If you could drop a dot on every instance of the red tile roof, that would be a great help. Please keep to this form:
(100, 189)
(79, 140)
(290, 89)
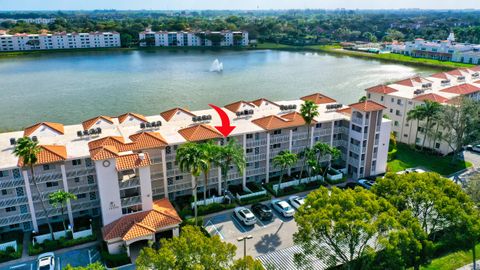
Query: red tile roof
(462, 89)
(55, 126)
(49, 154)
(200, 132)
(145, 223)
(132, 161)
(347, 110)
(116, 141)
(381, 89)
(406, 82)
(168, 115)
(124, 117)
(455, 72)
(147, 140)
(87, 124)
(104, 152)
(274, 122)
(441, 75)
(235, 107)
(318, 98)
(367, 106)
(432, 97)
(259, 101)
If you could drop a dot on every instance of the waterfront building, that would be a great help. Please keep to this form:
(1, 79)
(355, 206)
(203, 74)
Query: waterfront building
(402, 96)
(123, 168)
(29, 20)
(193, 38)
(444, 50)
(58, 41)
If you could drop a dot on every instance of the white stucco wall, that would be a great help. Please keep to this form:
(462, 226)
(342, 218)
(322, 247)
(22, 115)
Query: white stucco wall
(107, 179)
(145, 188)
(384, 141)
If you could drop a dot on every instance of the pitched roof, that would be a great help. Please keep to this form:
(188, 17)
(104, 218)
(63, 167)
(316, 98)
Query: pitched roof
(116, 141)
(259, 101)
(200, 133)
(55, 126)
(104, 152)
(455, 72)
(87, 124)
(132, 161)
(234, 107)
(441, 75)
(347, 110)
(147, 140)
(381, 89)
(144, 223)
(432, 97)
(407, 82)
(367, 106)
(168, 115)
(49, 154)
(124, 116)
(462, 89)
(273, 122)
(318, 98)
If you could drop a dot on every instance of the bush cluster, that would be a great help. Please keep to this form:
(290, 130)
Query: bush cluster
(213, 208)
(51, 245)
(114, 260)
(10, 254)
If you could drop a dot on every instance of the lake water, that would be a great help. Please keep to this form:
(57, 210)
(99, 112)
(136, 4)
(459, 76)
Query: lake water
(71, 87)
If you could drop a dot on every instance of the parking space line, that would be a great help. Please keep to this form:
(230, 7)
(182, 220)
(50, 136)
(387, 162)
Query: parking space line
(261, 223)
(59, 263)
(215, 228)
(18, 266)
(238, 223)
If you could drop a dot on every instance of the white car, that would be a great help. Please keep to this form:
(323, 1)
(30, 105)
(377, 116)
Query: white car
(366, 183)
(296, 201)
(245, 216)
(411, 170)
(476, 148)
(283, 208)
(46, 261)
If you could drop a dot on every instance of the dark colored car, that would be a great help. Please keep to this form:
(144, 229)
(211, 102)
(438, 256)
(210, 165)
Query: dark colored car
(262, 211)
(351, 185)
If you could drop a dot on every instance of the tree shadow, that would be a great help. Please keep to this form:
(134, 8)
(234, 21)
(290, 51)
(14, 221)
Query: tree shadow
(268, 243)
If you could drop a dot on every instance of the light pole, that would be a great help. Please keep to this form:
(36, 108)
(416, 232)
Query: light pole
(244, 239)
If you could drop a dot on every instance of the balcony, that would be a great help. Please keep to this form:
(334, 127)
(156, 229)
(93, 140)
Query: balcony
(255, 171)
(358, 121)
(134, 182)
(299, 136)
(279, 139)
(254, 143)
(83, 189)
(4, 221)
(48, 177)
(256, 157)
(13, 201)
(338, 130)
(129, 201)
(85, 205)
(11, 183)
(80, 173)
(324, 132)
(355, 148)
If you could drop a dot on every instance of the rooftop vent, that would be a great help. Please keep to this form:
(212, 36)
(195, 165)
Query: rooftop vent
(288, 107)
(333, 106)
(427, 85)
(418, 92)
(35, 139)
(461, 78)
(475, 75)
(445, 82)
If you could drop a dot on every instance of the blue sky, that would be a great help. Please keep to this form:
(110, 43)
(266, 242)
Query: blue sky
(233, 4)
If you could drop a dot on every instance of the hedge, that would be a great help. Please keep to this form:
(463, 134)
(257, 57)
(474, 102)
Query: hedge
(51, 245)
(114, 260)
(213, 208)
(392, 154)
(255, 199)
(10, 254)
(294, 189)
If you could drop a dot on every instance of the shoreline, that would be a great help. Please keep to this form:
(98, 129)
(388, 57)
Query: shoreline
(329, 49)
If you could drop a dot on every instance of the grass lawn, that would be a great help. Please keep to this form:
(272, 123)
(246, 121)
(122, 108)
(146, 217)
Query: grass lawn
(452, 261)
(409, 158)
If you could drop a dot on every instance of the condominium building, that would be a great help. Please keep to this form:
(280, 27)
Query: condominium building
(193, 39)
(402, 96)
(58, 41)
(123, 168)
(444, 50)
(29, 20)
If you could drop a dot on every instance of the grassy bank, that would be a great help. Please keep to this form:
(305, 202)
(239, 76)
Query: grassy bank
(453, 260)
(407, 157)
(398, 58)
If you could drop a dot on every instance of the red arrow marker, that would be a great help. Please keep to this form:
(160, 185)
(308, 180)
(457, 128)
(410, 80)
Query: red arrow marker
(225, 128)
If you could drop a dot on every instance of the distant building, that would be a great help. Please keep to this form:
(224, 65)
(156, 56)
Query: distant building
(58, 41)
(192, 39)
(33, 20)
(444, 50)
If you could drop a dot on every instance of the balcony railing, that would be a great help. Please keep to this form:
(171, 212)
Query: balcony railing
(256, 157)
(11, 183)
(4, 221)
(323, 132)
(299, 136)
(358, 121)
(253, 143)
(134, 182)
(79, 173)
(13, 201)
(83, 189)
(47, 177)
(125, 202)
(279, 139)
(256, 171)
(85, 205)
(343, 130)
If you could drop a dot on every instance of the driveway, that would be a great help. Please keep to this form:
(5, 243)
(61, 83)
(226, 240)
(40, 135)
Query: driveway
(472, 157)
(77, 257)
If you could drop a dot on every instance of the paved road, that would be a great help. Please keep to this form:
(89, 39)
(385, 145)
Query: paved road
(472, 157)
(77, 257)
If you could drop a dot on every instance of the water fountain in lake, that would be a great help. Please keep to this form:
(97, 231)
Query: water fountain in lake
(216, 66)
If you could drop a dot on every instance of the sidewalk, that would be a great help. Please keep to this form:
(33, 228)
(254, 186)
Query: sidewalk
(470, 266)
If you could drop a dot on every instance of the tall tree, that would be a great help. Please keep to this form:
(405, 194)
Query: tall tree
(209, 152)
(190, 251)
(284, 160)
(308, 111)
(27, 150)
(190, 159)
(416, 114)
(231, 154)
(430, 111)
(59, 199)
(339, 226)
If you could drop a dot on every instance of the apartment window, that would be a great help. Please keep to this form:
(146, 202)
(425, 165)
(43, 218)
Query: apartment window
(11, 209)
(393, 100)
(88, 162)
(170, 181)
(374, 164)
(391, 110)
(405, 135)
(399, 102)
(295, 130)
(47, 167)
(420, 129)
(179, 177)
(381, 98)
(81, 196)
(437, 145)
(395, 123)
(93, 196)
(168, 150)
(14, 226)
(90, 179)
(249, 150)
(368, 95)
(277, 132)
(16, 173)
(410, 102)
(3, 173)
(51, 184)
(397, 113)
(4, 192)
(257, 136)
(169, 166)
(257, 150)
(249, 136)
(318, 125)
(76, 162)
(277, 145)
(356, 128)
(77, 179)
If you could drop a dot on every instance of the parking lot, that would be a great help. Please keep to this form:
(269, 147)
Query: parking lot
(79, 257)
(267, 236)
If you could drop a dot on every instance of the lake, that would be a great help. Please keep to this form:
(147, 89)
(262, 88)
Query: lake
(71, 87)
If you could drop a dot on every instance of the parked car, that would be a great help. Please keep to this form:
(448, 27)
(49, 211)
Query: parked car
(476, 148)
(411, 170)
(283, 208)
(46, 261)
(245, 216)
(262, 211)
(296, 201)
(366, 183)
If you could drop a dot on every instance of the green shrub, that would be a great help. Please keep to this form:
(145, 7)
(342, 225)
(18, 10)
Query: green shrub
(213, 208)
(52, 245)
(254, 187)
(114, 260)
(10, 254)
(255, 199)
(335, 182)
(392, 154)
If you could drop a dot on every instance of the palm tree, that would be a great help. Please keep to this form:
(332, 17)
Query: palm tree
(417, 114)
(190, 159)
(334, 155)
(229, 155)
(59, 199)
(430, 110)
(311, 160)
(27, 150)
(308, 111)
(284, 160)
(209, 152)
(321, 149)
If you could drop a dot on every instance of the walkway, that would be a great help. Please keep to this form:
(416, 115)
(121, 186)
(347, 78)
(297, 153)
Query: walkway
(470, 266)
